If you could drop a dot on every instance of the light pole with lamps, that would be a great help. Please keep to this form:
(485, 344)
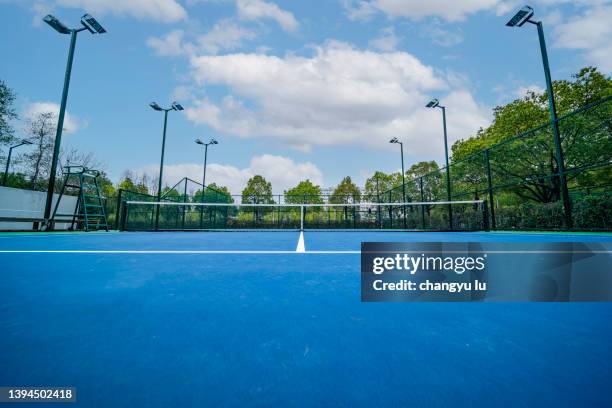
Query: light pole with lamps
(90, 24)
(518, 20)
(175, 107)
(434, 103)
(8, 159)
(212, 142)
(395, 140)
(200, 142)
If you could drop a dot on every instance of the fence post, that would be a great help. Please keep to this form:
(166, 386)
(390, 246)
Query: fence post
(118, 214)
(490, 188)
(184, 202)
(422, 201)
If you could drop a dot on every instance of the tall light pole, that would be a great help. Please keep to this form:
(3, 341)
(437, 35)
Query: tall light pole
(175, 107)
(8, 159)
(90, 24)
(518, 20)
(212, 142)
(434, 103)
(395, 140)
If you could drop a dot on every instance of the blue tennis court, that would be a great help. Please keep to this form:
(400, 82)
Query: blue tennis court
(217, 319)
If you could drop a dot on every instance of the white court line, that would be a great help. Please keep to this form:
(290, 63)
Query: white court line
(137, 252)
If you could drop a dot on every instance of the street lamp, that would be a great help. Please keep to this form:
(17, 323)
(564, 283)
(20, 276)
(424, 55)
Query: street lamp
(434, 103)
(90, 24)
(174, 107)
(212, 142)
(8, 159)
(395, 140)
(518, 20)
(200, 142)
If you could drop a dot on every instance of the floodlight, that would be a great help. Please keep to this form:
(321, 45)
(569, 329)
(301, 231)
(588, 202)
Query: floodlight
(433, 103)
(198, 141)
(394, 140)
(521, 17)
(155, 106)
(177, 106)
(92, 24)
(213, 141)
(56, 24)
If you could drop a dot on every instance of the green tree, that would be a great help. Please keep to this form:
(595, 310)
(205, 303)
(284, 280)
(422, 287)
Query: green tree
(7, 113)
(128, 184)
(171, 194)
(257, 191)
(106, 185)
(304, 193)
(346, 192)
(379, 186)
(213, 194)
(529, 161)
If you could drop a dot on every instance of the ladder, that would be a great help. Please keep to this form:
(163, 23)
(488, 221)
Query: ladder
(89, 213)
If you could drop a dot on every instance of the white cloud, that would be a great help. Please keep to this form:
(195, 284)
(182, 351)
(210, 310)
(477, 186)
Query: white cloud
(282, 172)
(166, 11)
(387, 41)
(170, 45)
(418, 9)
(71, 124)
(224, 35)
(339, 96)
(258, 9)
(441, 36)
(590, 32)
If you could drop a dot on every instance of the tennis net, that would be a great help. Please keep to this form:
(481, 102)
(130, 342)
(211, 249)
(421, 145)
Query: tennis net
(416, 216)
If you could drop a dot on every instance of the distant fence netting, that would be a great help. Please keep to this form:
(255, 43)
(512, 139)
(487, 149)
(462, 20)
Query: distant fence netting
(141, 216)
(519, 177)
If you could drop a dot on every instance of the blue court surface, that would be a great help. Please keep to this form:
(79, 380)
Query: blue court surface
(241, 319)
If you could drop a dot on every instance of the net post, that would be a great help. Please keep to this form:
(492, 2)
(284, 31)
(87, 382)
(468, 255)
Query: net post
(301, 218)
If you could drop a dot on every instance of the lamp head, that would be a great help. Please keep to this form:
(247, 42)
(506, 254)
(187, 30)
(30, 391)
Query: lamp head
(56, 24)
(177, 106)
(433, 103)
(155, 106)
(394, 140)
(26, 142)
(521, 17)
(92, 24)
(198, 141)
(213, 141)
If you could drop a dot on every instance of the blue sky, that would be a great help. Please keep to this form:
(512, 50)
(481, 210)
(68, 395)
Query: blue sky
(292, 90)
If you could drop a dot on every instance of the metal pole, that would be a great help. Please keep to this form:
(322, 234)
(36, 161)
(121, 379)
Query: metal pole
(205, 159)
(448, 182)
(8, 161)
(378, 207)
(203, 185)
(161, 169)
(422, 200)
(60, 127)
(403, 184)
(556, 134)
(490, 187)
(184, 202)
